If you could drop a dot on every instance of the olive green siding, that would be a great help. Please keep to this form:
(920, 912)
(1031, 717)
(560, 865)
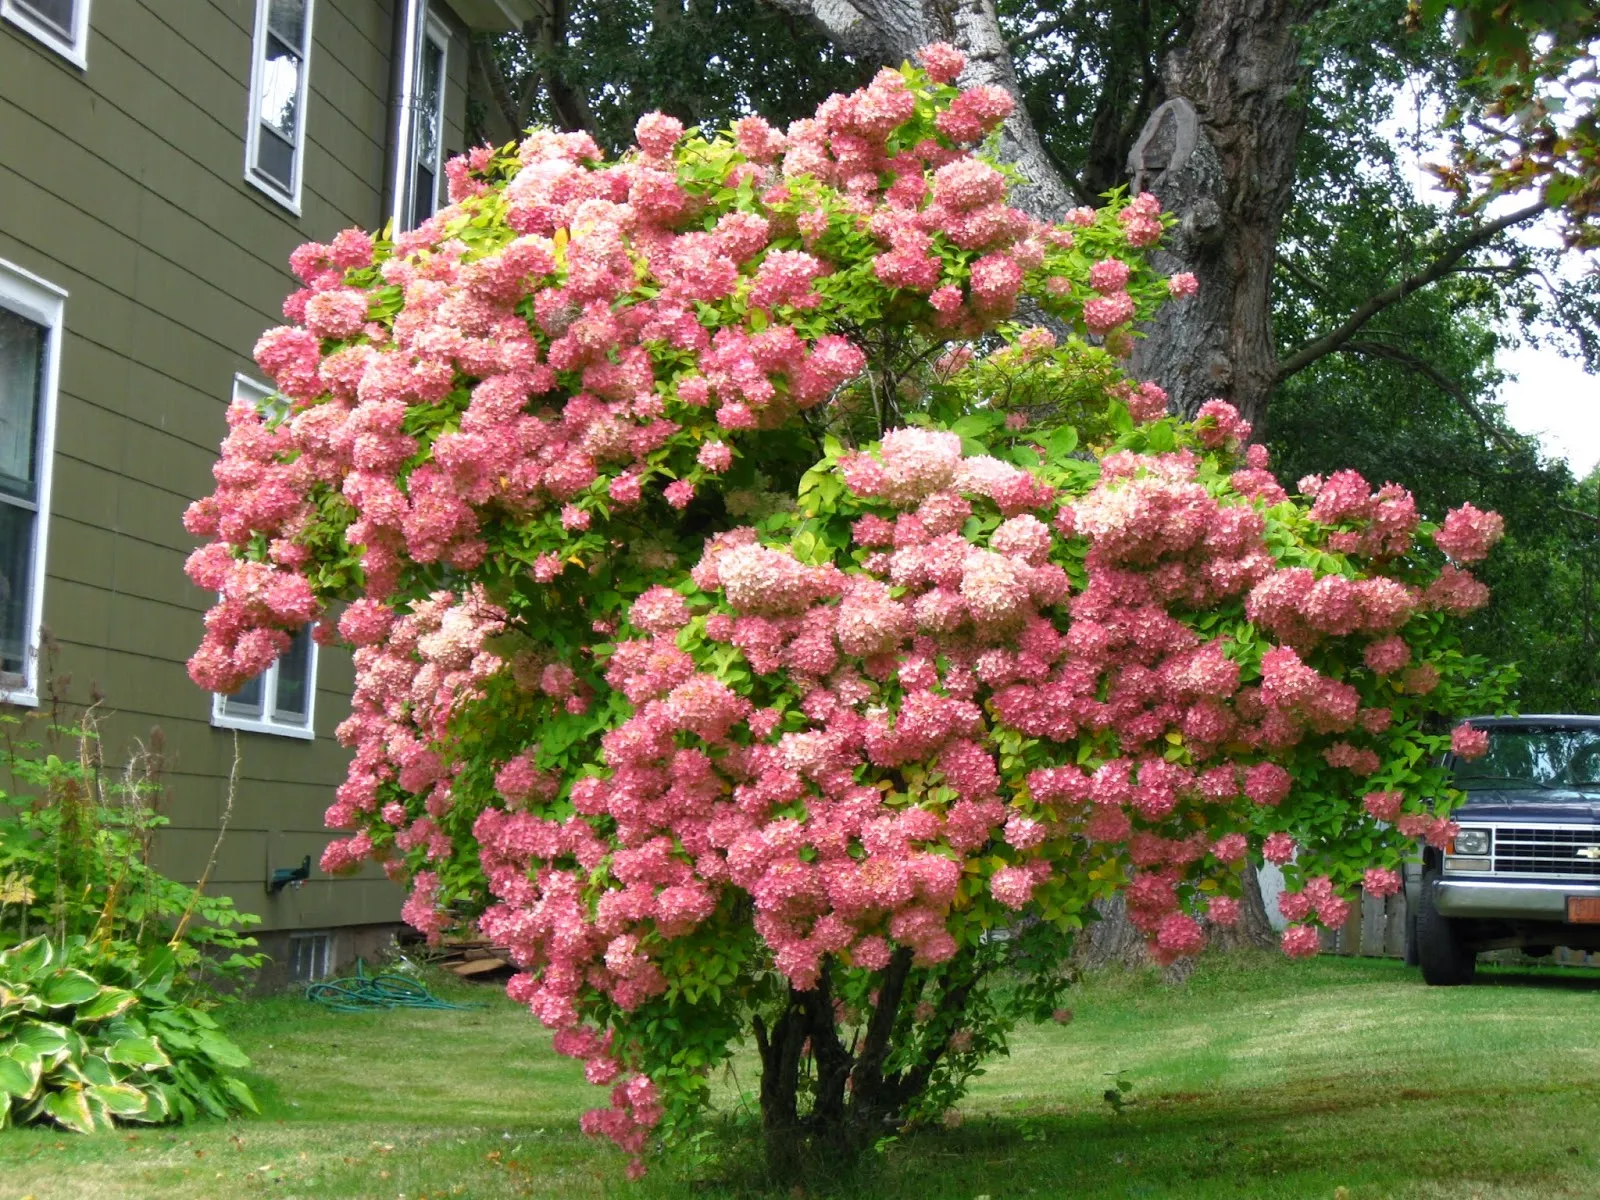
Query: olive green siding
(124, 184)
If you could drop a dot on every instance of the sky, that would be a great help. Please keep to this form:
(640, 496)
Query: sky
(1545, 394)
(1553, 399)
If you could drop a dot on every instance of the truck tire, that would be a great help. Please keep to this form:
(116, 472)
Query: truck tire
(1411, 957)
(1445, 958)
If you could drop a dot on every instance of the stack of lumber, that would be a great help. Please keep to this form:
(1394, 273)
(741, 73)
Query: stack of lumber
(469, 956)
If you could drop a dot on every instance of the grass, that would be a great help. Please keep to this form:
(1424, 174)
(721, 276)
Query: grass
(1257, 1077)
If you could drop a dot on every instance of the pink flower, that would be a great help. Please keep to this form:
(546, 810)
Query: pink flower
(1383, 806)
(1182, 285)
(660, 611)
(1301, 941)
(1109, 276)
(1179, 935)
(1012, 886)
(1469, 533)
(942, 61)
(1223, 910)
(1387, 656)
(658, 133)
(1267, 783)
(716, 457)
(1278, 848)
(1380, 881)
(1469, 742)
(1104, 313)
(678, 493)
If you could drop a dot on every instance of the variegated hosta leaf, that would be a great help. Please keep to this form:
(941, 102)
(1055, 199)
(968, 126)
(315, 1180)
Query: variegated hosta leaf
(111, 1002)
(69, 987)
(120, 1099)
(18, 1079)
(71, 1108)
(28, 958)
(138, 1052)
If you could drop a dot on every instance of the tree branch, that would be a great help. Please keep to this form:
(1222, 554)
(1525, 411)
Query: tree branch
(1441, 266)
(484, 60)
(852, 27)
(548, 32)
(1304, 276)
(1443, 382)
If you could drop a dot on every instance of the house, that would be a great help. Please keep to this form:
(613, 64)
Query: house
(159, 160)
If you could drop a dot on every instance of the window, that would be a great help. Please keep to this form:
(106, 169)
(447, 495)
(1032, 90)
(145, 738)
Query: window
(31, 323)
(308, 955)
(275, 141)
(63, 25)
(280, 699)
(417, 189)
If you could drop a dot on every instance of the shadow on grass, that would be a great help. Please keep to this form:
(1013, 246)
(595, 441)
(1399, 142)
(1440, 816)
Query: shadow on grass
(1575, 979)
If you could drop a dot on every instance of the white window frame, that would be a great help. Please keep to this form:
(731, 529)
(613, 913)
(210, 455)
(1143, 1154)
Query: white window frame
(74, 49)
(430, 29)
(252, 139)
(42, 302)
(254, 392)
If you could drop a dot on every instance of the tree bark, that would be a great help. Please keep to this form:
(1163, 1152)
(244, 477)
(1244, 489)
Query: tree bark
(889, 32)
(1239, 73)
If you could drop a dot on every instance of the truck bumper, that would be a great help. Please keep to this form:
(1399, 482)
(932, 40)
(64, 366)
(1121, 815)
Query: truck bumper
(1507, 899)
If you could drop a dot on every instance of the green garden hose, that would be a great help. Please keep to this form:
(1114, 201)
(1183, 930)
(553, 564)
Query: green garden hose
(364, 993)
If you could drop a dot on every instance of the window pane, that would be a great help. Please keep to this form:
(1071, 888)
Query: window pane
(294, 674)
(55, 13)
(246, 702)
(16, 582)
(430, 97)
(280, 89)
(21, 374)
(427, 192)
(287, 19)
(275, 159)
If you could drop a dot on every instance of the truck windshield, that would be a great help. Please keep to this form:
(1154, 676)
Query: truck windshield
(1542, 758)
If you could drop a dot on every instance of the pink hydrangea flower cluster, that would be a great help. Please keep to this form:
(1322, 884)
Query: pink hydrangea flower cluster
(826, 739)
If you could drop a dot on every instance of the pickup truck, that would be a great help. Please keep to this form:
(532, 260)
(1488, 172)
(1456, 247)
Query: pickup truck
(1523, 872)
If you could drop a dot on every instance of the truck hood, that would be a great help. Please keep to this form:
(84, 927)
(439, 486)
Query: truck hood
(1558, 806)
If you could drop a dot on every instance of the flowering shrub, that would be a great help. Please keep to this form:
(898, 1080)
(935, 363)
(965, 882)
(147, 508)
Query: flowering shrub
(720, 739)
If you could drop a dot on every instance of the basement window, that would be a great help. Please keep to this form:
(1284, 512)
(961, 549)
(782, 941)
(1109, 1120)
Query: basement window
(310, 955)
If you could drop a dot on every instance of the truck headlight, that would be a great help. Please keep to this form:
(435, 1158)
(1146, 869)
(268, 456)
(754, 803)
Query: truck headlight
(1471, 841)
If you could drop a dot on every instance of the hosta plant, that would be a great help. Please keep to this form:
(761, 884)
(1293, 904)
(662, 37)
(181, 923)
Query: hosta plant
(87, 1042)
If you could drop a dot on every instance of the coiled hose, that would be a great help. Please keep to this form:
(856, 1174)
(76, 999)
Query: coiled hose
(367, 993)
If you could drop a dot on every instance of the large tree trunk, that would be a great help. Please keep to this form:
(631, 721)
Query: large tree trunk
(1221, 155)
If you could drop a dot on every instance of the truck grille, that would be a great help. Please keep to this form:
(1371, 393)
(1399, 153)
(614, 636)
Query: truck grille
(1545, 850)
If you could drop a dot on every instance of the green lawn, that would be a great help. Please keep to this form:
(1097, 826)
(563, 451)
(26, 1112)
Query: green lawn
(1257, 1077)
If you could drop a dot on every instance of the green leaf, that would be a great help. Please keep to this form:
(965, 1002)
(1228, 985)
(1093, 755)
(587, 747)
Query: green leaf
(240, 1092)
(42, 1037)
(68, 988)
(121, 1099)
(71, 1110)
(138, 1052)
(27, 958)
(111, 1002)
(16, 1079)
(222, 1052)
